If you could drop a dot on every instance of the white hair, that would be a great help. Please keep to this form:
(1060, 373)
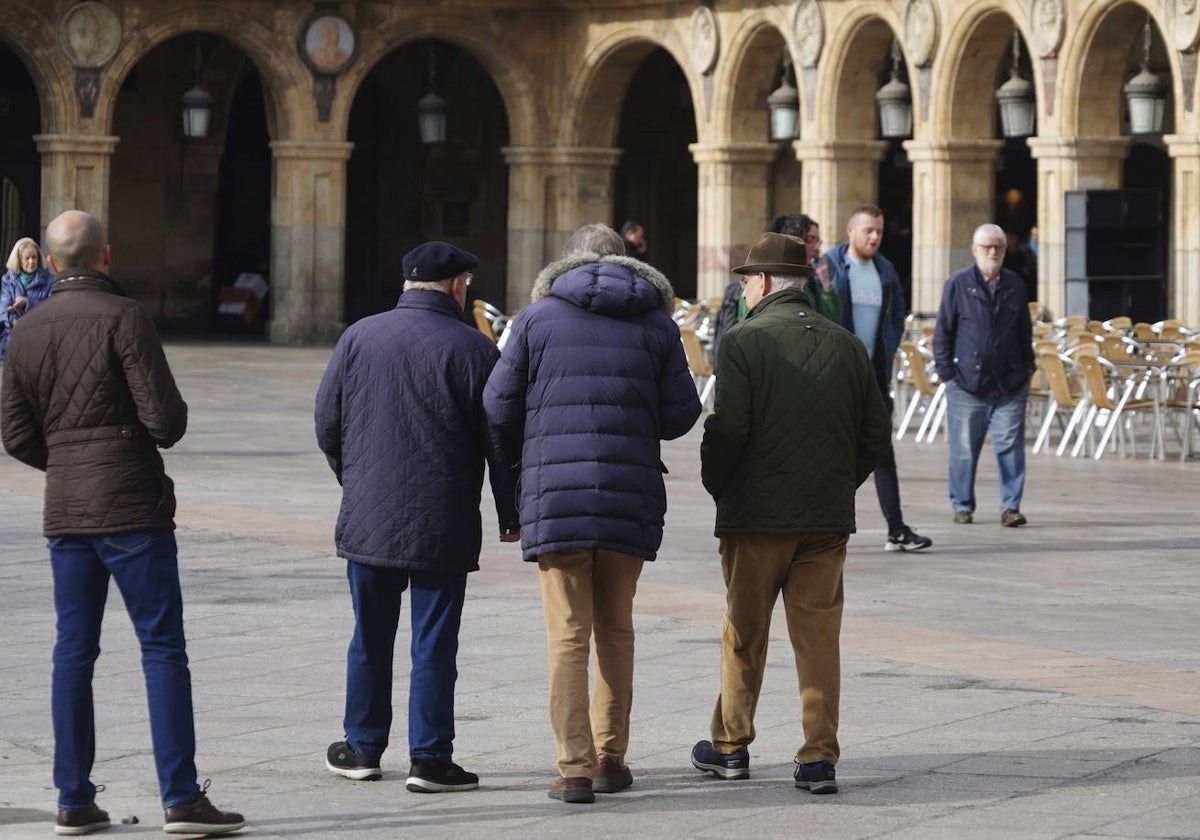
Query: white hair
(14, 259)
(442, 286)
(595, 239)
(988, 230)
(779, 282)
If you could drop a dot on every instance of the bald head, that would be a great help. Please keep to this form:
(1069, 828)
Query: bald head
(75, 239)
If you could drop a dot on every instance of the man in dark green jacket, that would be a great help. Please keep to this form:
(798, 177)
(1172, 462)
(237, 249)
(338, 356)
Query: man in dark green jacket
(799, 424)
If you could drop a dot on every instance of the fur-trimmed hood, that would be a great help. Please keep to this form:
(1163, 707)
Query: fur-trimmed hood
(611, 285)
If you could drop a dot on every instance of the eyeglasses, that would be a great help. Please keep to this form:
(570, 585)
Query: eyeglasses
(991, 246)
(746, 278)
(468, 277)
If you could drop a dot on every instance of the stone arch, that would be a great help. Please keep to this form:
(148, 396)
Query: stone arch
(980, 45)
(755, 54)
(283, 76)
(596, 94)
(51, 79)
(856, 54)
(513, 80)
(1099, 55)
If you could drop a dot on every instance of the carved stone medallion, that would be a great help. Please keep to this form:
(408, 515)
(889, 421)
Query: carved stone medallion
(1046, 16)
(1183, 23)
(89, 34)
(920, 31)
(809, 27)
(706, 41)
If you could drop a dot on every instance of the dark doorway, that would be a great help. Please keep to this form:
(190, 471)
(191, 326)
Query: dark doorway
(20, 167)
(656, 180)
(1016, 209)
(896, 201)
(402, 192)
(242, 239)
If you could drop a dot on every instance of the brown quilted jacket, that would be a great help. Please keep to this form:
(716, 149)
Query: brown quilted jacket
(89, 398)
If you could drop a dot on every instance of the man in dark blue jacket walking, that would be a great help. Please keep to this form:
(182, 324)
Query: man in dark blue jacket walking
(865, 297)
(399, 416)
(593, 378)
(983, 349)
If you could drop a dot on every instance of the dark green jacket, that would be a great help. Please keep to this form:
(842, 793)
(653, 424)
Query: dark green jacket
(798, 424)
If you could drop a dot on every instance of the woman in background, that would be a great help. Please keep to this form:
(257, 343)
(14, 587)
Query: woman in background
(25, 284)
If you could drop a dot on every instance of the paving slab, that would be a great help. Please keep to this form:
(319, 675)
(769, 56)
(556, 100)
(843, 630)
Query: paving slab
(1041, 682)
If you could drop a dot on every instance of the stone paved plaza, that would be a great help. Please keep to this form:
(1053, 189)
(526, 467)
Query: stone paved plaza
(1029, 683)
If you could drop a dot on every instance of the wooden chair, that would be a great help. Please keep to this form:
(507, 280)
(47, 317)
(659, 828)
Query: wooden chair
(1122, 324)
(925, 394)
(702, 372)
(1061, 398)
(1113, 394)
(1144, 332)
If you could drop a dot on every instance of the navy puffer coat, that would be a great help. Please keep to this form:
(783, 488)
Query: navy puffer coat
(593, 378)
(400, 419)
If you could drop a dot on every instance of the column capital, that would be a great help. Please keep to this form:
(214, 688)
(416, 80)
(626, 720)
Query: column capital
(959, 151)
(80, 144)
(760, 153)
(312, 149)
(840, 150)
(1075, 148)
(602, 156)
(1182, 145)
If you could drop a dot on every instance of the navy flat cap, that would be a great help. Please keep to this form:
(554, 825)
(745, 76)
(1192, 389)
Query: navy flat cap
(437, 261)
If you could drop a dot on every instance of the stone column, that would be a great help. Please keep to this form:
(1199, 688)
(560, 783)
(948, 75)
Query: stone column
(552, 190)
(1183, 301)
(838, 175)
(1068, 163)
(734, 209)
(954, 185)
(76, 169)
(308, 241)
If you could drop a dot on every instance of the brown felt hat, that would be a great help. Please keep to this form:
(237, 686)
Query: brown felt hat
(777, 253)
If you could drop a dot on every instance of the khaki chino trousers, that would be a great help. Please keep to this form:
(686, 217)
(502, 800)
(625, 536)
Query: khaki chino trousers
(807, 570)
(584, 593)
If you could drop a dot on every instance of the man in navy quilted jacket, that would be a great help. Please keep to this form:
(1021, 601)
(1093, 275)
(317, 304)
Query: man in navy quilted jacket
(593, 378)
(399, 416)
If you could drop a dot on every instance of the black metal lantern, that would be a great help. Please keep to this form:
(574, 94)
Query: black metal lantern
(1146, 95)
(197, 103)
(783, 105)
(895, 101)
(431, 110)
(1015, 98)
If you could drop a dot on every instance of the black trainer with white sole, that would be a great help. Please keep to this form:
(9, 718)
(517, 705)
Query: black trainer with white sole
(427, 777)
(345, 762)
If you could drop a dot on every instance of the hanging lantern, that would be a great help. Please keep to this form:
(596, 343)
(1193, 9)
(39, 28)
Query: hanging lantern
(197, 103)
(431, 110)
(895, 102)
(1146, 95)
(783, 106)
(1015, 98)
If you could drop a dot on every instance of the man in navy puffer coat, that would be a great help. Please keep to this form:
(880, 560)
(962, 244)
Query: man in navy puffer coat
(593, 378)
(399, 416)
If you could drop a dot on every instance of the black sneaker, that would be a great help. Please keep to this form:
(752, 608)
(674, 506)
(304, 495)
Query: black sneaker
(734, 765)
(906, 539)
(201, 817)
(343, 761)
(816, 777)
(426, 777)
(78, 821)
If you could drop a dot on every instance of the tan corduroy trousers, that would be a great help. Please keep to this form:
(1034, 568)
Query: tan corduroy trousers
(807, 569)
(589, 592)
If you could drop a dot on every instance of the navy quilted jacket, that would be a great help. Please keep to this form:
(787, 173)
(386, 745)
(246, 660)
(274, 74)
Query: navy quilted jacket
(593, 378)
(400, 419)
(797, 426)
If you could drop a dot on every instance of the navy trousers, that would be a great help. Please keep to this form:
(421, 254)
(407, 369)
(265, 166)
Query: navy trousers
(436, 604)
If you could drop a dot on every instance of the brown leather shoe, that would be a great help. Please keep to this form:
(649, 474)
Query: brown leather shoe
(611, 776)
(1012, 517)
(79, 821)
(201, 817)
(576, 789)
(963, 517)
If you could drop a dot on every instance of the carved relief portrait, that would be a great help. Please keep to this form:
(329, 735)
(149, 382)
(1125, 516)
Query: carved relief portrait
(327, 43)
(706, 42)
(1183, 23)
(810, 32)
(1047, 18)
(920, 31)
(89, 34)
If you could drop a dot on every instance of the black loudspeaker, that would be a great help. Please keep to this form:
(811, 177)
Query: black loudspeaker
(1116, 254)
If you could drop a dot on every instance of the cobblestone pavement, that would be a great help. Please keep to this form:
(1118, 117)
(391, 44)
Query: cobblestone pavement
(1028, 683)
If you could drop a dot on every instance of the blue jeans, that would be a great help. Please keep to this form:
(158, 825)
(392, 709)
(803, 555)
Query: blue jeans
(436, 605)
(144, 566)
(968, 419)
